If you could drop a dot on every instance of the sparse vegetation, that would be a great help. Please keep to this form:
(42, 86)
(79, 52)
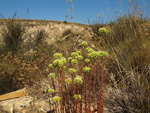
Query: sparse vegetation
(126, 71)
(128, 67)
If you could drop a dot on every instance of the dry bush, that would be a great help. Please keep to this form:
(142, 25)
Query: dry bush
(40, 36)
(41, 57)
(32, 39)
(16, 74)
(12, 35)
(17, 71)
(131, 94)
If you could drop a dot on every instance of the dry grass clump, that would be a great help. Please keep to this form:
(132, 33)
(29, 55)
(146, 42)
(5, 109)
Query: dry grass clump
(129, 44)
(128, 67)
(40, 36)
(12, 35)
(130, 95)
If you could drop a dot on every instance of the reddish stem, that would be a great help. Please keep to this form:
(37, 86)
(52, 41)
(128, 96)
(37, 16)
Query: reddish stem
(76, 106)
(60, 89)
(53, 81)
(55, 107)
(79, 67)
(72, 92)
(102, 88)
(98, 102)
(78, 98)
(67, 100)
(89, 99)
(85, 99)
(81, 99)
(94, 87)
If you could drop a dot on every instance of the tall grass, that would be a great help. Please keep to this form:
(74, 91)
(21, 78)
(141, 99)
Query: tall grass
(129, 43)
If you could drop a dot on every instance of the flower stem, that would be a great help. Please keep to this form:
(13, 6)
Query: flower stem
(94, 86)
(53, 84)
(102, 88)
(63, 88)
(85, 97)
(55, 107)
(89, 99)
(98, 102)
(60, 88)
(80, 111)
(79, 67)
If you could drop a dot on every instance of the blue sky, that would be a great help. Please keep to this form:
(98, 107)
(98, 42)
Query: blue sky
(57, 9)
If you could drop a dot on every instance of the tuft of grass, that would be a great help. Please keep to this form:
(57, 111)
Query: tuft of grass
(40, 36)
(12, 35)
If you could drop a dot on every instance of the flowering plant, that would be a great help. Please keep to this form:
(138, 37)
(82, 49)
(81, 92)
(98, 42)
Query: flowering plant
(51, 75)
(56, 99)
(51, 66)
(68, 81)
(84, 43)
(74, 61)
(103, 30)
(71, 70)
(77, 96)
(93, 54)
(87, 60)
(78, 80)
(86, 69)
(89, 50)
(49, 91)
(74, 54)
(102, 53)
(57, 55)
(69, 59)
(79, 57)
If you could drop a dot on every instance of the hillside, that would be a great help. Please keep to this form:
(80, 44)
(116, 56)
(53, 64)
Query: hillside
(27, 48)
